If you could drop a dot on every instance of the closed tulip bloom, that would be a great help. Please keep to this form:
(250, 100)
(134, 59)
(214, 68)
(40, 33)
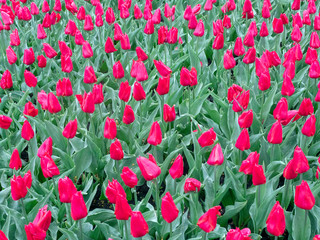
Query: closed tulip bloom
(149, 28)
(176, 170)
(295, 5)
(138, 92)
(14, 38)
(250, 56)
(237, 234)
(78, 38)
(208, 221)
(312, 56)
(70, 129)
(137, 12)
(27, 132)
(41, 34)
(125, 42)
(169, 113)
(128, 115)
(162, 34)
(207, 138)
(218, 42)
(155, 134)
(11, 55)
(64, 87)
(66, 64)
(258, 177)
(264, 30)
(192, 185)
(296, 34)
(124, 91)
(5, 122)
(114, 189)
(19, 186)
(89, 75)
(287, 88)
(138, 225)
(109, 47)
(281, 110)
(110, 18)
(33, 231)
(49, 51)
(141, 71)
(28, 56)
(228, 60)
(245, 119)
(216, 156)
(199, 30)
(88, 23)
(116, 152)
(6, 80)
(64, 49)
(163, 85)
(300, 163)
(163, 70)
(248, 164)
(289, 171)
(66, 189)
(169, 210)
(30, 79)
(275, 133)
(48, 166)
(53, 103)
(249, 39)
(81, 15)
(303, 197)
(97, 93)
(309, 128)
(238, 47)
(110, 129)
(243, 141)
(46, 148)
(276, 222)
(86, 102)
(306, 107)
(314, 71)
(78, 207)
(129, 177)
(43, 218)
(122, 209)
(148, 167)
(117, 32)
(118, 71)
(86, 50)
(172, 36)
(277, 25)
(264, 81)
(188, 78)
(142, 56)
(15, 161)
(314, 40)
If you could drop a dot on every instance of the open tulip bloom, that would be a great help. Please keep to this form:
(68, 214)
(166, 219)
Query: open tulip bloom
(183, 119)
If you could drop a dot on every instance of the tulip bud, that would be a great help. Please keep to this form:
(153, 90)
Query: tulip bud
(117, 32)
(46, 148)
(138, 225)
(138, 92)
(245, 119)
(216, 156)
(5, 122)
(207, 138)
(109, 47)
(275, 133)
(238, 47)
(237, 234)
(129, 177)
(148, 167)
(163, 85)
(276, 222)
(30, 79)
(192, 185)
(250, 56)
(303, 197)
(11, 55)
(116, 152)
(86, 102)
(78, 207)
(218, 42)
(169, 113)
(309, 128)
(27, 131)
(15, 161)
(71, 129)
(86, 50)
(243, 141)
(66, 64)
(128, 115)
(258, 176)
(162, 68)
(19, 186)
(176, 170)
(48, 166)
(306, 107)
(110, 18)
(114, 189)
(66, 189)
(248, 164)
(281, 110)
(155, 134)
(6, 80)
(118, 71)
(64, 87)
(53, 103)
(142, 56)
(169, 210)
(49, 51)
(264, 30)
(124, 91)
(208, 221)
(14, 38)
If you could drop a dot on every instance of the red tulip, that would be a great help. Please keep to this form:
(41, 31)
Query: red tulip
(207, 138)
(289, 171)
(248, 164)
(53, 103)
(118, 71)
(97, 93)
(5, 122)
(125, 42)
(122, 209)
(243, 141)
(15, 161)
(110, 129)
(192, 185)
(142, 56)
(109, 47)
(228, 60)
(216, 156)
(49, 51)
(238, 47)
(66, 64)
(19, 186)
(78, 38)
(64, 87)
(300, 163)
(237, 234)
(169, 113)
(48, 166)
(162, 34)
(30, 79)
(28, 56)
(176, 170)
(114, 189)
(316, 237)
(86, 102)
(149, 28)
(264, 30)
(309, 128)
(163, 85)
(169, 211)
(241, 101)
(137, 12)
(249, 39)
(78, 207)
(116, 152)
(138, 92)
(138, 225)
(27, 131)
(250, 56)
(295, 5)
(41, 34)
(277, 25)
(281, 110)
(296, 34)
(314, 40)
(276, 222)
(306, 107)
(148, 167)
(188, 78)
(71, 129)
(245, 119)
(117, 32)
(124, 91)
(287, 87)
(11, 55)
(43, 218)
(129, 177)
(46, 148)
(303, 197)
(208, 221)
(218, 42)
(312, 56)
(86, 50)
(110, 18)
(88, 23)
(162, 68)
(66, 189)
(6, 80)
(33, 230)
(64, 49)
(3, 236)
(14, 38)
(258, 176)
(128, 115)
(314, 71)
(155, 134)
(275, 133)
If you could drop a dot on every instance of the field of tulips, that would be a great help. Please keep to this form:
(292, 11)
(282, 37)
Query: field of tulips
(125, 119)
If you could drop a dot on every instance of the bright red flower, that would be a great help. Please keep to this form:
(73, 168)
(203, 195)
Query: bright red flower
(176, 170)
(276, 222)
(148, 167)
(208, 221)
(303, 197)
(78, 207)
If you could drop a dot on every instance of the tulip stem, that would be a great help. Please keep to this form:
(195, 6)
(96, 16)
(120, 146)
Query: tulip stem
(126, 230)
(276, 238)
(23, 210)
(91, 123)
(68, 214)
(205, 236)
(157, 197)
(215, 181)
(286, 188)
(245, 185)
(170, 229)
(305, 222)
(80, 228)
(258, 196)
(135, 195)
(189, 88)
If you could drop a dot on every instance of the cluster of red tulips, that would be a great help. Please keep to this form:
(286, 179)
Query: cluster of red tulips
(186, 141)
